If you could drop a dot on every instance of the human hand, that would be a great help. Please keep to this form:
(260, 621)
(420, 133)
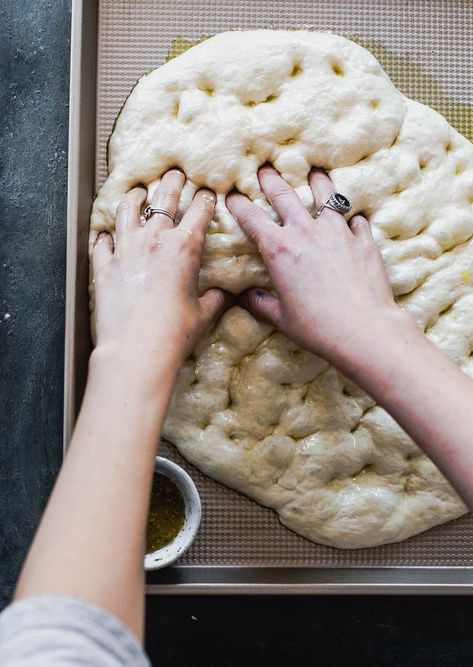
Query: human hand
(146, 285)
(331, 287)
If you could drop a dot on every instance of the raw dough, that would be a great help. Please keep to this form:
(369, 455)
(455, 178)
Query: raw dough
(251, 409)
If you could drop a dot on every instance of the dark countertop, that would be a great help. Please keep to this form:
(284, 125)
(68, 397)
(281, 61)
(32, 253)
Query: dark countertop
(218, 631)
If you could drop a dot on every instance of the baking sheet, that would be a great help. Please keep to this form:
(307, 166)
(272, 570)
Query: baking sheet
(426, 49)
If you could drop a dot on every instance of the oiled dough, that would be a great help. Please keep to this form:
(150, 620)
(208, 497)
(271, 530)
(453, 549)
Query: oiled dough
(250, 408)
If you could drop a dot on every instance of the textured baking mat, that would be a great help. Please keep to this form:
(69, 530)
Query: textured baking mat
(426, 49)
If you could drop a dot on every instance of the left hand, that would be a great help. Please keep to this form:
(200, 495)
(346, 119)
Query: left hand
(146, 285)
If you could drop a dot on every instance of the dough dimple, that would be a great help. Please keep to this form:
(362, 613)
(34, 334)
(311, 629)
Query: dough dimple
(251, 409)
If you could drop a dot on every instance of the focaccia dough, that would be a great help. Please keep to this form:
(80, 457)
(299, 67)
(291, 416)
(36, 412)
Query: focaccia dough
(251, 409)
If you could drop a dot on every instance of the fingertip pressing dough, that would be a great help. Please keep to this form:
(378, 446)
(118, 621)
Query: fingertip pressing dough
(251, 409)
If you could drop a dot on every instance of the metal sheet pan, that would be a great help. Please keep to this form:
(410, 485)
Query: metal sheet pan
(241, 547)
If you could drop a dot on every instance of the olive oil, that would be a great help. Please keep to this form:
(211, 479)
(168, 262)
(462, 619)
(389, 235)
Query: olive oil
(412, 80)
(181, 44)
(166, 513)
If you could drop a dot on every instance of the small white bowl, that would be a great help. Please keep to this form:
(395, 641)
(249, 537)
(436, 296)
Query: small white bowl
(183, 540)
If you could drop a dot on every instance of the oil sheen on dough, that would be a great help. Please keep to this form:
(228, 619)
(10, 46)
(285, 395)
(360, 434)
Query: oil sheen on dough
(251, 409)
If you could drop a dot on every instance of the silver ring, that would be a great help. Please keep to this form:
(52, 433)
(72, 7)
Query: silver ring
(149, 210)
(336, 202)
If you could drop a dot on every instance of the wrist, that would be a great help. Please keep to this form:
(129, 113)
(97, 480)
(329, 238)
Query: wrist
(144, 371)
(384, 336)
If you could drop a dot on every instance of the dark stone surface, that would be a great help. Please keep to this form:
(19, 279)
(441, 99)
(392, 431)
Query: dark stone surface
(220, 632)
(34, 60)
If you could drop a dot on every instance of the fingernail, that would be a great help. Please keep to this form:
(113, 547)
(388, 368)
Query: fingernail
(208, 195)
(175, 170)
(101, 236)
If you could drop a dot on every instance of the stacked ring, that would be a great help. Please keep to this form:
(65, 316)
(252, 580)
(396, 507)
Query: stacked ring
(149, 210)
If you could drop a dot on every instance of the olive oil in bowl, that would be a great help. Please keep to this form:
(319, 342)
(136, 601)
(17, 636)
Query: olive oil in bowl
(167, 513)
(174, 514)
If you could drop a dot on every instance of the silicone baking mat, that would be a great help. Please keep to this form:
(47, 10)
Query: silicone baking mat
(426, 48)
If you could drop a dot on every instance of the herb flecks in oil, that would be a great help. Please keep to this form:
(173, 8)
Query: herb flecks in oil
(166, 513)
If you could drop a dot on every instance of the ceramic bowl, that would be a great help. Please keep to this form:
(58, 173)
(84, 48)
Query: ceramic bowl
(183, 540)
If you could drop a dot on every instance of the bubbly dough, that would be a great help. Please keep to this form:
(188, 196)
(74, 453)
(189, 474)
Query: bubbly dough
(251, 409)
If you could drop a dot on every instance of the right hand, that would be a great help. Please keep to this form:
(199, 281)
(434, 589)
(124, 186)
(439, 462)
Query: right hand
(331, 287)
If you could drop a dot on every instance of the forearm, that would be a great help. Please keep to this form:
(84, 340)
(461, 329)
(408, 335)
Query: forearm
(91, 539)
(148, 316)
(427, 394)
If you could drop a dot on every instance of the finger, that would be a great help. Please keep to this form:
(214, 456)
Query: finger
(166, 197)
(213, 303)
(262, 305)
(102, 252)
(256, 224)
(322, 188)
(361, 228)
(372, 258)
(198, 215)
(282, 197)
(127, 219)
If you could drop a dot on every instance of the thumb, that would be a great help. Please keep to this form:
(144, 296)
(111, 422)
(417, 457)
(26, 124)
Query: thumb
(262, 305)
(212, 304)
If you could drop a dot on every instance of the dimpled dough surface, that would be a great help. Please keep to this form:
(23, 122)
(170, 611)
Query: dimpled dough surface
(251, 409)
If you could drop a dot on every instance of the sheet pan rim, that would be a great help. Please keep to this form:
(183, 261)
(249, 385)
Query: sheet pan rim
(343, 580)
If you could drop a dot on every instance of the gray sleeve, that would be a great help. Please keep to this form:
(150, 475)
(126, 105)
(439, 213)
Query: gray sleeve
(64, 632)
